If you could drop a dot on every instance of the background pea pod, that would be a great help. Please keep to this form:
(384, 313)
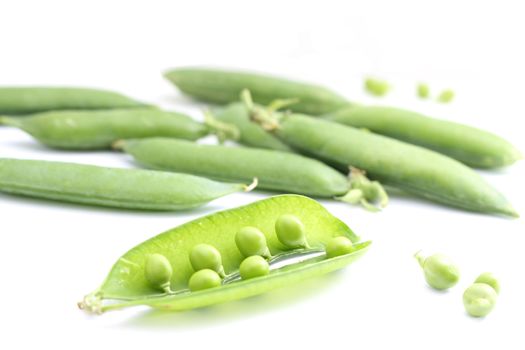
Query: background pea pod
(222, 86)
(99, 129)
(126, 284)
(112, 187)
(472, 146)
(26, 100)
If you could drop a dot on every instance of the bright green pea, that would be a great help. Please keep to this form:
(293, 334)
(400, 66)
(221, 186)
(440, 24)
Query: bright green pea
(440, 272)
(158, 271)
(338, 246)
(479, 299)
(490, 279)
(254, 266)
(205, 256)
(204, 279)
(423, 91)
(446, 96)
(290, 231)
(251, 241)
(376, 87)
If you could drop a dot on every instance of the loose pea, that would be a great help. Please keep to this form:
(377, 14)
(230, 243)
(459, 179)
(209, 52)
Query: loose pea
(338, 246)
(440, 272)
(158, 271)
(204, 279)
(376, 87)
(254, 266)
(204, 256)
(290, 231)
(251, 241)
(490, 279)
(479, 299)
(423, 91)
(446, 96)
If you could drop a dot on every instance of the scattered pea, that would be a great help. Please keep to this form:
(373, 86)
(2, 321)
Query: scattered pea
(490, 279)
(290, 231)
(204, 279)
(376, 87)
(158, 272)
(446, 96)
(204, 256)
(251, 241)
(440, 272)
(423, 91)
(338, 246)
(479, 299)
(254, 266)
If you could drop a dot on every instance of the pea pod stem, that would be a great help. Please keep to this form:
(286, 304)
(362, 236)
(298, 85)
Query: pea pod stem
(224, 131)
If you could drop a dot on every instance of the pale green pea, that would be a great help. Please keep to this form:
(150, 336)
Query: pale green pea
(423, 91)
(479, 299)
(490, 279)
(251, 241)
(446, 96)
(204, 279)
(338, 246)
(290, 231)
(376, 87)
(158, 272)
(204, 256)
(254, 266)
(440, 272)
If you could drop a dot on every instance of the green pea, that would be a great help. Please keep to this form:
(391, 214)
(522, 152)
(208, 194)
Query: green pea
(376, 87)
(205, 256)
(290, 231)
(479, 299)
(440, 272)
(338, 246)
(423, 91)
(204, 279)
(446, 96)
(254, 266)
(490, 279)
(251, 241)
(158, 272)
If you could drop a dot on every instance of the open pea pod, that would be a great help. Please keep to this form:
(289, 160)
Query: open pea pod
(127, 285)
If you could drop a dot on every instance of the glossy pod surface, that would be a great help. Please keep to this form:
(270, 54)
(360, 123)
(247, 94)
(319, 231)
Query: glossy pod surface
(26, 100)
(222, 86)
(99, 129)
(472, 146)
(275, 170)
(126, 285)
(112, 187)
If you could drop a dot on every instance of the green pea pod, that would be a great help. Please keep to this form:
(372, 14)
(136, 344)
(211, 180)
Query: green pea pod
(126, 284)
(472, 146)
(111, 187)
(222, 86)
(27, 100)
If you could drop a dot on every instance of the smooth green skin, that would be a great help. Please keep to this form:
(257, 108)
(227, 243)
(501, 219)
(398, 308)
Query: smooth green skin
(111, 187)
(423, 91)
(290, 231)
(85, 130)
(338, 246)
(27, 100)
(417, 170)
(440, 272)
(251, 241)
(126, 279)
(251, 134)
(446, 96)
(158, 271)
(277, 171)
(472, 146)
(479, 299)
(254, 266)
(376, 87)
(222, 86)
(204, 279)
(490, 279)
(204, 256)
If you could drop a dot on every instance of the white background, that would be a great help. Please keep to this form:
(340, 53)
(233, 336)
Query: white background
(53, 253)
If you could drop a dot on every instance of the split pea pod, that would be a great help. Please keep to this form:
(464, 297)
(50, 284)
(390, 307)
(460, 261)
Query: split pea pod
(111, 187)
(472, 146)
(223, 86)
(179, 286)
(27, 100)
(277, 171)
(99, 129)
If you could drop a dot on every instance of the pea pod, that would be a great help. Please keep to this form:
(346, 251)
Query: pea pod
(111, 187)
(222, 86)
(411, 168)
(472, 146)
(277, 171)
(27, 100)
(126, 285)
